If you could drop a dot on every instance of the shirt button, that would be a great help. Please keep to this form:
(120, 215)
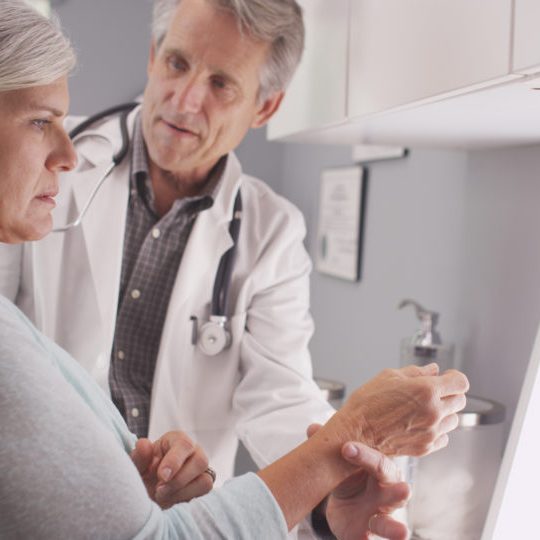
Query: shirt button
(121, 355)
(135, 294)
(135, 412)
(156, 232)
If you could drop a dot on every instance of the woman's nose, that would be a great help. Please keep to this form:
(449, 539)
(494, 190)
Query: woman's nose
(63, 157)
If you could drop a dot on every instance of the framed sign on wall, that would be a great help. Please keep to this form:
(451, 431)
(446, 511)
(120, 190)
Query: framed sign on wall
(340, 225)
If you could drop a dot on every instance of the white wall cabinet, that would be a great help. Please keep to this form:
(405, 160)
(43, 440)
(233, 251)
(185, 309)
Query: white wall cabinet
(317, 96)
(405, 51)
(526, 36)
(416, 72)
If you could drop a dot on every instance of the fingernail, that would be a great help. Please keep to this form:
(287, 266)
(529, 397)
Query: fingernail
(350, 450)
(433, 367)
(162, 491)
(166, 474)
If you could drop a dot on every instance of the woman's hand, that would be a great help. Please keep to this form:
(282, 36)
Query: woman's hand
(173, 468)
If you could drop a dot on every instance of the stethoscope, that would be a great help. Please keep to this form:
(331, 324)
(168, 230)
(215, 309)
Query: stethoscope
(214, 335)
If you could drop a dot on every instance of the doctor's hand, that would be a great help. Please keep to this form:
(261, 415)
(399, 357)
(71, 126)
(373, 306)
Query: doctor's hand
(361, 504)
(172, 468)
(407, 411)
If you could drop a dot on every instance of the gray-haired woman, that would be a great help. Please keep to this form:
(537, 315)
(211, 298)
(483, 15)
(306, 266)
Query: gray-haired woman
(65, 449)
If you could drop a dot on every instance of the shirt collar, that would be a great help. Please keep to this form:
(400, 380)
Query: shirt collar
(141, 185)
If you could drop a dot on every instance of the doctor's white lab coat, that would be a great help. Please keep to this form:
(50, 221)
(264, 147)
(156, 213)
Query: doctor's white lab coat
(260, 389)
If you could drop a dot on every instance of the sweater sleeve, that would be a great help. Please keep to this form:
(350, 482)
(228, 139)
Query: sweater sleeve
(65, 474)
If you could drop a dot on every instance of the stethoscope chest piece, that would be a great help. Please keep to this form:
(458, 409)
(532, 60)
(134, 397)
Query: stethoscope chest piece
(214, 336)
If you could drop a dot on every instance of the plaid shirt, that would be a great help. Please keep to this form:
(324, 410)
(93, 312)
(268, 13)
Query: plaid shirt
(153, 249)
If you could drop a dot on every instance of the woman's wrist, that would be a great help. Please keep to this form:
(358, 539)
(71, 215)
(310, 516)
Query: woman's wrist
(305, 476)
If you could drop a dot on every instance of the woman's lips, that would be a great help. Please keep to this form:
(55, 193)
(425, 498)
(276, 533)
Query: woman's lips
(48, 197)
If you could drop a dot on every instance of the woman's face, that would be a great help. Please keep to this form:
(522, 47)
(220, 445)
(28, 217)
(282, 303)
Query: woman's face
(34, 148)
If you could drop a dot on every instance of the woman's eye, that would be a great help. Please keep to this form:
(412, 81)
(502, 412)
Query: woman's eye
(40, 122)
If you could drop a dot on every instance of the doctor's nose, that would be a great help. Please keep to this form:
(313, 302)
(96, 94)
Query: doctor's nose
(190, 98)
(63, 156)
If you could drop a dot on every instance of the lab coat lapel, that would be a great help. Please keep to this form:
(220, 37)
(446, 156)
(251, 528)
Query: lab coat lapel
(103, 228)
(208, 241)
(104, 224)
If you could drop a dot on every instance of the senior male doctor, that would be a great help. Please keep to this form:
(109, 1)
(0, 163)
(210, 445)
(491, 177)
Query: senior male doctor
(128, 292)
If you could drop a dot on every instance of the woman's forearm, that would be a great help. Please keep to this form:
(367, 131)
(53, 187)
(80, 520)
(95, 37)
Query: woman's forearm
(303, 477)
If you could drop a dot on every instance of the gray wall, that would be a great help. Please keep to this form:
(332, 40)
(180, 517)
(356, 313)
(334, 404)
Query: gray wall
(112, 40)
(458, 231)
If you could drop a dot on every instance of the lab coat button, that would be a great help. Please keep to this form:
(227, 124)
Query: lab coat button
(135, 294)
(135, 412)
(156, 232)
(121, 355)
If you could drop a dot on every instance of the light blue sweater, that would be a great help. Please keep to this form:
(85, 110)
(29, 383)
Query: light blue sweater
(65, 469)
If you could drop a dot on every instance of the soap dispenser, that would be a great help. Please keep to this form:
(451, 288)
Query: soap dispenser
(425, 346)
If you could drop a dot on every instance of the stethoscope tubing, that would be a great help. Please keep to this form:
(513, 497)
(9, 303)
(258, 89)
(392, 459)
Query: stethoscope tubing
(117, 158)
(88, 203)
(220, 295)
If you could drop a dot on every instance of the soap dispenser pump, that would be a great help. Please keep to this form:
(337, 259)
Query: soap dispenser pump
(425, 346)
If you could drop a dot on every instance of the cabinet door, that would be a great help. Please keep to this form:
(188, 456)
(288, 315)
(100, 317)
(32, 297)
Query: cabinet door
(404, 51)
(527, 36)
(317, 94)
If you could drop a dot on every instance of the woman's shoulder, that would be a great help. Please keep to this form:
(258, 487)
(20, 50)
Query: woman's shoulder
(16, 329)
(12, 319)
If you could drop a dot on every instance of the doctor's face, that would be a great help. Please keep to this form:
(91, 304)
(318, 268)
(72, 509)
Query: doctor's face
(202, 92)
(34, 148)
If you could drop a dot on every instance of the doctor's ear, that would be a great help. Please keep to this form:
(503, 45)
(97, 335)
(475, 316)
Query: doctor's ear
(267, 109)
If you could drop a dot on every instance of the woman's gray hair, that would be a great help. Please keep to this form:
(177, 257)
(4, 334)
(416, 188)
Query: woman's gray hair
(277, 22)
(33, 50)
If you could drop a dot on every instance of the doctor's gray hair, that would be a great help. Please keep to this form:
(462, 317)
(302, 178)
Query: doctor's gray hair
(277, 22)
(33, 50)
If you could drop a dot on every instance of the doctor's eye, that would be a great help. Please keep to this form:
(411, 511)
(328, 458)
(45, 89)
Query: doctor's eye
(219, 82)
(177, 64)
(224, 89)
